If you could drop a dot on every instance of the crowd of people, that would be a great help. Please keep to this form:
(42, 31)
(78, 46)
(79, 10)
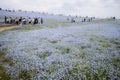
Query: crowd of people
(82, 20)
(29, 20)
(23, 21)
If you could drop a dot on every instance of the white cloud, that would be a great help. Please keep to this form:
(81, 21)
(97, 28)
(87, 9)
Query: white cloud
(101, 8)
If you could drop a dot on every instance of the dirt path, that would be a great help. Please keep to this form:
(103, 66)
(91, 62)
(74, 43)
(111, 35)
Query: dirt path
(7, 27)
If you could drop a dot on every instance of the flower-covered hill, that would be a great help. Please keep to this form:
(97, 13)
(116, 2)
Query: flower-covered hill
(90, 51)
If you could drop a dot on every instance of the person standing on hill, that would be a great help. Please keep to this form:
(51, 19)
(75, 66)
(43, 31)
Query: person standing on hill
(84, 20)
(35, 21)
(11, 20)
(29, 20)
(20, 20)
(16, 20)
(72, 20)
(23, 21)
(5, 19)
(41, 21)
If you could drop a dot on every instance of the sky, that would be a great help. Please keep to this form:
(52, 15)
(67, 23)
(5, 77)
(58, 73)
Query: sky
(97, 8)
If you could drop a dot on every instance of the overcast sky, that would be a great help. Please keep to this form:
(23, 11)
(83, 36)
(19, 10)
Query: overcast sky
(97, 8)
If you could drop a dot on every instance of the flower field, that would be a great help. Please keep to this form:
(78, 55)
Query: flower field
(89, 51)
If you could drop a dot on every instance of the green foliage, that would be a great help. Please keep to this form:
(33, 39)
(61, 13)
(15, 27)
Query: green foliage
(51, 69)
(82, 47)
(3, 75)
(118, 47)
(25, 75)
(67, 50)
(106, 45)
(63, 50)
(4, 61)
(81, 55)
(91, 39)
(1, 54)
(53, 41)
(44, 54)
(35, 48)
(8, 61)
(0, 45)
(116, 60)
(4, 49)
(114, 42)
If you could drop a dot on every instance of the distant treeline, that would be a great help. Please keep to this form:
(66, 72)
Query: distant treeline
(9, 10)
(13, 10)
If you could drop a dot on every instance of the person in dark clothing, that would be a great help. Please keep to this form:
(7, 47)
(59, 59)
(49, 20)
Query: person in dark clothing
(41, 21)
(84, 20)
(67, 19)
(5, 19)
(11, 20)
(24, 21)
(72, 20)
(20, 20)
(36, 21)
(29, 20)
(114, 18)
(16, 20)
